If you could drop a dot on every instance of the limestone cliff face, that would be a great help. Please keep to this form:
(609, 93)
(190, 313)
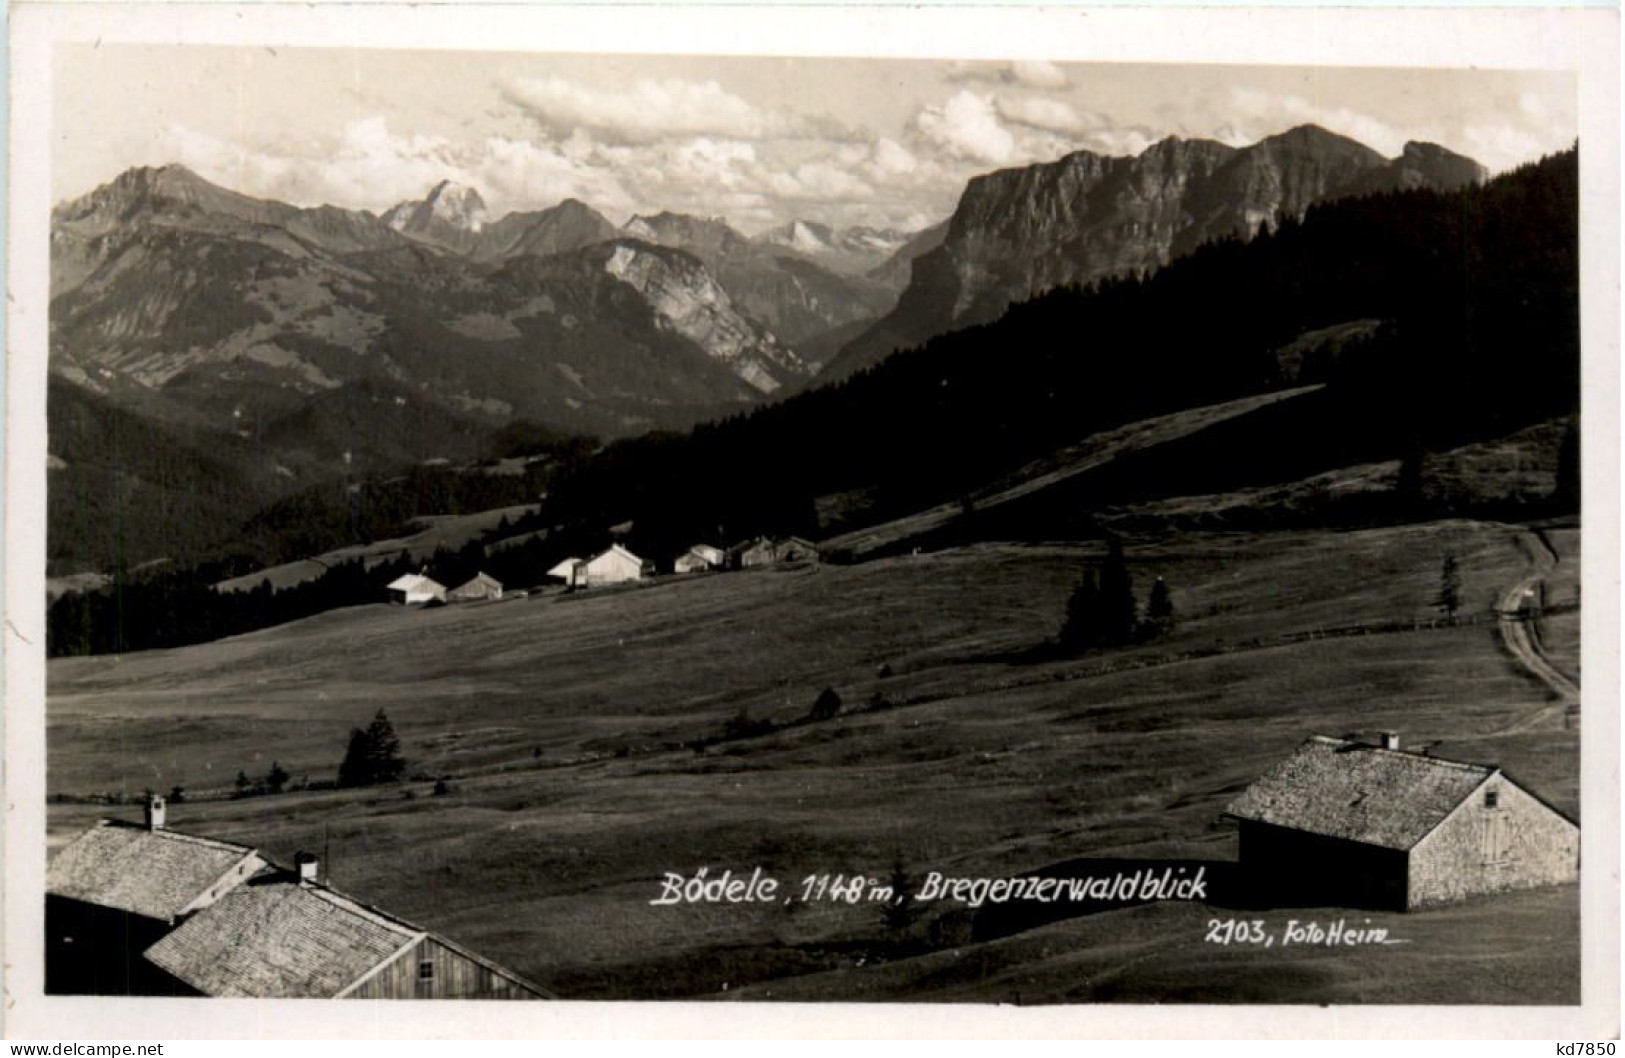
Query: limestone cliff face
(1019, 232)
(795, 295)
(685, 298)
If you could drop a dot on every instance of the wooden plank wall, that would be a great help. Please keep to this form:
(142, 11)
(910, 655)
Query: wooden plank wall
(455, 977)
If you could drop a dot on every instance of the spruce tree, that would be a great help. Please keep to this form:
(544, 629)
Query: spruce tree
(827, 706)
(1081, 629)
(1449, 597)
(354, 770)
(1159, 608)
(1119, 612)
(383, 751)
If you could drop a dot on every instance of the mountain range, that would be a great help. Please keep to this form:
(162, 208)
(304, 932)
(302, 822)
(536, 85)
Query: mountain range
(325, 342)
(1019, 232)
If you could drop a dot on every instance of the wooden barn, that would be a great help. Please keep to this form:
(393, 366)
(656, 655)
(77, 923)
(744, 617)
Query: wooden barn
(1349, 823)
(286, 935)
(480, 586)
(414, 589)
(699, 558)
(117, 889)
(615, 566)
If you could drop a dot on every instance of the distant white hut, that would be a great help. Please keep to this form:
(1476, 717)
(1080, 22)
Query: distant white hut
(615, 566)
(481, 586)
(570, 571)
(699, 558)
(415, 588)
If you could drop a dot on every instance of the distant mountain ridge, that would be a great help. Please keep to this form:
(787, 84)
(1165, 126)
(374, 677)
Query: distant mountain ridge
(856, 250)
(1019, 232)
(195, 302)
(795, 294)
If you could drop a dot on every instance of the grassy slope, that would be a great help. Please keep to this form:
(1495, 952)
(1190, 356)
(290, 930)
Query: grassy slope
(993, 764)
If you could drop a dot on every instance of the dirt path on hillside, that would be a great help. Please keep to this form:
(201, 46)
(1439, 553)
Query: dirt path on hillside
(1515, 615)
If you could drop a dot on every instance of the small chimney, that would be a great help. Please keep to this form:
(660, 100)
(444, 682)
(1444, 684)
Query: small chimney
(1390, 740)
(155, 812)
(307, 866)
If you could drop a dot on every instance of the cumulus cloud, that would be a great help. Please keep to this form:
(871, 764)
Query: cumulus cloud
(1259, 114)
(1502, 146)
(650, 110)
(369, 166)
(967, 126)
(1028, 73)
(1120, 140)
(1037, 73)
(1039, 112)
(892, 159)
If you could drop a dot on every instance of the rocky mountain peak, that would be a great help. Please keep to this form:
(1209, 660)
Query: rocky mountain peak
(457, 205)
(1021, 231)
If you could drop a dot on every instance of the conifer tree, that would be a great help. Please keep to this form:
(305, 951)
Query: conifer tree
(1119, 612)
(353, 770)
(1159, 608)
(383, 750)
(827, 705)
(1081, 630)
(1449, 597)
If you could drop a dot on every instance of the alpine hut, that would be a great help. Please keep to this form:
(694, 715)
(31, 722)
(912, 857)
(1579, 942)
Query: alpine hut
(570, 571)
(481, 586)
(118, 888)
(287, 935)
(143, 910)
(413, 589)
(615, 566)
(1349, 823)
(699, 558)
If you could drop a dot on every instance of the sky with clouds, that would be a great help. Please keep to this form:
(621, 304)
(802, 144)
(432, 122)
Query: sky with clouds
(758, 140)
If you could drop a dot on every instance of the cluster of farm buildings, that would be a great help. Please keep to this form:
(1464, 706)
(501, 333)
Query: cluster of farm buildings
(145, 910)
(614, 565)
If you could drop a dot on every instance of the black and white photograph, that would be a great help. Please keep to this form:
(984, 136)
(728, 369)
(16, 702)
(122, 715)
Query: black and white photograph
(549, 522)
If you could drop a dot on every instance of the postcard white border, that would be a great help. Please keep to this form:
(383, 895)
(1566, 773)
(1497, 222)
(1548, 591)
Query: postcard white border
(1584, 40)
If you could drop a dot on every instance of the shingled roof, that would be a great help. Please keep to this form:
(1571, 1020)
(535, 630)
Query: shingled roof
(155, 873)
(1359, 792)
(414, 582)
(279, 938)
(276, 938)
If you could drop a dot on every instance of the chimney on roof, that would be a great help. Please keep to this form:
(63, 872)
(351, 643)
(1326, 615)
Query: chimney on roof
(307, 866)
(1390, 740)
(154, 811)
